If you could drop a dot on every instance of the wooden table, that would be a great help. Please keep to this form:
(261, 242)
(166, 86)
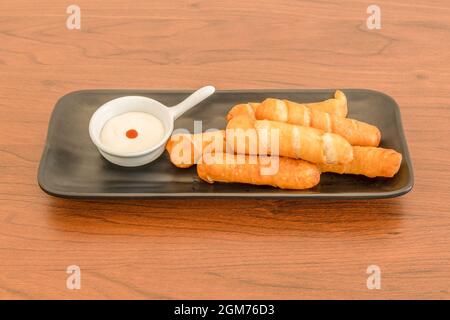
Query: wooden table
(224, 248)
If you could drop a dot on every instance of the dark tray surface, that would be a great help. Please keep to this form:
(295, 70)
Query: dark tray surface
(72, 167)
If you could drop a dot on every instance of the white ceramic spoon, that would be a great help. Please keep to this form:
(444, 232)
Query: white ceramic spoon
(167, 115)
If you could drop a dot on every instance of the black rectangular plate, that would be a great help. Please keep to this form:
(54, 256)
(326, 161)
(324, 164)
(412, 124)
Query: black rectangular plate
(72, 167)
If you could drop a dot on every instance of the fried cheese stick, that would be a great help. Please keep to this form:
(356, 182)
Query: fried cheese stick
(369, 161)
(265, 137)
(186, 149)
(290, 173)
(336, 106)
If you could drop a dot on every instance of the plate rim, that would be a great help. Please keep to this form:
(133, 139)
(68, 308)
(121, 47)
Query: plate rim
(245, 195)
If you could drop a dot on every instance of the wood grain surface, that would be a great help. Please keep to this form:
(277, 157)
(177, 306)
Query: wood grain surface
(224, 248)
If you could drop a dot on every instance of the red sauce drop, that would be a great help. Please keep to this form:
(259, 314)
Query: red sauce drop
(131, 134)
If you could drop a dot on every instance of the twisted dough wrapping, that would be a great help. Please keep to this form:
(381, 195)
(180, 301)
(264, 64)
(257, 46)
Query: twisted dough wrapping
(243, 109)
(250, 136)
(186, 149)
(291, 173)
(369, 161)
(336, 106)
(356, 132)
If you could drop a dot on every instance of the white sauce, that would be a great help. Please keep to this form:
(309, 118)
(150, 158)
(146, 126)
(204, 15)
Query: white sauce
(132, 132)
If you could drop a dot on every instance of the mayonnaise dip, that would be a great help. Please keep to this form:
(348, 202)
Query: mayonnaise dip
(132, 132)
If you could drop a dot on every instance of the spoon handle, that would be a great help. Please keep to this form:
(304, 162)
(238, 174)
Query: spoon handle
(194, 99)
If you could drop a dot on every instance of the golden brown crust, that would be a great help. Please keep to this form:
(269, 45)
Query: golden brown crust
(355, 132)
(369, 161)
(186, 149)
(336, 106)
(250, 136)
(247, 109)
(290, 173)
